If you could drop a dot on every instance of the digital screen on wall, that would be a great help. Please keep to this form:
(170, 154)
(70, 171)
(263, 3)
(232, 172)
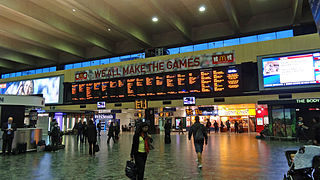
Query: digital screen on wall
(194, 83)
(289, 70)
(49, 87)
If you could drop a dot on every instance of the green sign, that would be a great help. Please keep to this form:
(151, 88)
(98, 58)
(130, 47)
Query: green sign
(308, 101)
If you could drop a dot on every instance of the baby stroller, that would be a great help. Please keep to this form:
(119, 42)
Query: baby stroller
(303, 164)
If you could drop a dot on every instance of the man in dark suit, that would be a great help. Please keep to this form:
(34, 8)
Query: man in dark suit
(8, 135)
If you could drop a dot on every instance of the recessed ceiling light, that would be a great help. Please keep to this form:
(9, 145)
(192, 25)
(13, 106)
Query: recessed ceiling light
(109, 29)
(74, 10)
(202, 8)
(155, 19)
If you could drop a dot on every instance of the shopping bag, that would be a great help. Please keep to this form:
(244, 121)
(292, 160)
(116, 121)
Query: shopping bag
(131, 170)
(96, 148)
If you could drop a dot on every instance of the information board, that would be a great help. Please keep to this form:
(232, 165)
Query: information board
(198, 83)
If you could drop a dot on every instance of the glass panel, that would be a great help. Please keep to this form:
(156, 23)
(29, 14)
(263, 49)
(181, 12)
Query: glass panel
(267, 36)
(85, 64)
(94, 63)
(136, 56)
(218, 44)
(24, 73)
(32, 72)
(174, 50)
(68, 66)
(211, 45)
(285, 34)
(54, 68)
(231, 42)
(18, 74)
(45, 70)
(199, 47)
(114, 59)
(77, 65)
(186, 49)
(143, 55)
(104, 61)
(12, 75)
(248, 39)
(38, 71)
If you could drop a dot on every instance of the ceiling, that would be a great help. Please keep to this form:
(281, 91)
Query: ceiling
(42, 33)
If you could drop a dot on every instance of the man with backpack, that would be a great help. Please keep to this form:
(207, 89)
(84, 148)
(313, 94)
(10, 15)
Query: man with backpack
(200, 137)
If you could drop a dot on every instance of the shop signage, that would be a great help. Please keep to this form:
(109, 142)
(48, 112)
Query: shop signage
(103, 116)
(169, 65)
(308, 100)
(237, 112)
(169, 109)
(141, 104)
(191, 112)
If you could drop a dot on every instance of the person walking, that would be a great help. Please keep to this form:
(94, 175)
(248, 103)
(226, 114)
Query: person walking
(228, 125)
(8, 135)
(116, 131)
(111, 133)
(92, 137)
(181, 127)
(99, 128)
(200, 137)
(216, 127)
(236, 127)
(167, 130)
(55, 135)
(79, 131)
(208, 125)
(140, 148)
(84, 132)
(221, 126)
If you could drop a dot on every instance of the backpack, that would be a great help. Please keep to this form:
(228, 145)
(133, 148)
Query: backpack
(198, 137)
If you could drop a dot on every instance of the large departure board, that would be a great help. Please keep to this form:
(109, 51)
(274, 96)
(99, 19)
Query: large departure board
(75, 91)
(200, 83)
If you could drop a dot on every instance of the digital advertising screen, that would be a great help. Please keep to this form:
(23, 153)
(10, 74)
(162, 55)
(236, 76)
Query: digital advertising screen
(289, 70)
(49, 87)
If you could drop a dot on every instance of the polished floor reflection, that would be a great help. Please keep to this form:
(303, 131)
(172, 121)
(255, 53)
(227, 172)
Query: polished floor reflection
(227, 156)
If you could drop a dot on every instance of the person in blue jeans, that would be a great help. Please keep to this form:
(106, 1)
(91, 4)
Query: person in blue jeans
(200, 137)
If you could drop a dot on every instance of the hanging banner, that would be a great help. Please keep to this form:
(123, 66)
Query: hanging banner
(169, 65)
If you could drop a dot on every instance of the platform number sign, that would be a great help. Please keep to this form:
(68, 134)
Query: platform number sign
(141, 104)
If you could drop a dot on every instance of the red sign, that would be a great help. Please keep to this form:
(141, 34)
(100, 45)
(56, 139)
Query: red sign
(222, 59)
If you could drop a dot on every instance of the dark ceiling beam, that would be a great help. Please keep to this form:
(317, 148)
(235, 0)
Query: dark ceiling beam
(11, 42)
(106, 14)
(173, 19)
(39, 37)
(297, 6)
(34, 11)
(18, 57)
(232, 15)
(11, 65)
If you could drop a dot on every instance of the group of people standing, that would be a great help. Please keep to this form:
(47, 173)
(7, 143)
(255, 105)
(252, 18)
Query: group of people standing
(238, 127)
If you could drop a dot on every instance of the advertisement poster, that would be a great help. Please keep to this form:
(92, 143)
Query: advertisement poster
(315, 9)
(49, 87)
(160, 66)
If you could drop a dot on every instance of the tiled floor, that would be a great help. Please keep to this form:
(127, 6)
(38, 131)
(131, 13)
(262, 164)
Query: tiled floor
(227, 156)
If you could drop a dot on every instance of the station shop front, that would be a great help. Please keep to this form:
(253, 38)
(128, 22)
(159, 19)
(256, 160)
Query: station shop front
(284, 114)
(250, 117)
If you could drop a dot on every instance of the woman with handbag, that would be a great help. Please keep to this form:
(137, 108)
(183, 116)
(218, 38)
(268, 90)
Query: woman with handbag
(92, 137)
(141, 146)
